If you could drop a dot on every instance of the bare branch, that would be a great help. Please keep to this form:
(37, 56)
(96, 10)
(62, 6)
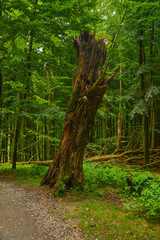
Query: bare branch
(107, 81)
(115, 39)
(116, 36)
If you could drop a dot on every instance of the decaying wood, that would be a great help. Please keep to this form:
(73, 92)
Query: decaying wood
(111, 156)
(89, 88)
(33, 157)
(149, 164)
(142, 157)
(39, 163)
(108, 158)
(104, 158)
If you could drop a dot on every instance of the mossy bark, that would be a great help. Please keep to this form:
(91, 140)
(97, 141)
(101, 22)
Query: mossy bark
(66, 170)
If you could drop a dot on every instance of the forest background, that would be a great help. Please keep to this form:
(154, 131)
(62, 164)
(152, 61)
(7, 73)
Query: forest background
(38, 69)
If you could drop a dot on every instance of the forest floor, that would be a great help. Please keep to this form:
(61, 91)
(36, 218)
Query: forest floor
(28, 213)
(31, 212)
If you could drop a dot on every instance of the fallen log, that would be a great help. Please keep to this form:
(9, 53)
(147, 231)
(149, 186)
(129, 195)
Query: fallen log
(110, 156)
(142, 157)
(104, 158)
(149, 164)
(39, 163)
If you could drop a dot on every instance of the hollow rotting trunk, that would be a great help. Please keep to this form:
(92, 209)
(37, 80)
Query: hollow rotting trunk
(66, 170)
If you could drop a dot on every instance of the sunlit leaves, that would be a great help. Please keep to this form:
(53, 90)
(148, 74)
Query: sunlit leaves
(152, 91)
(20, 43)
(8, 45)
(139, 109)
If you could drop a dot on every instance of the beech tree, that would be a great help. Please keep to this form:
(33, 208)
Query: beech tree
(66, 170)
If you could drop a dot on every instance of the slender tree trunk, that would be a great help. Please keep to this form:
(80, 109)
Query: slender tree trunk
(104, 120)
(119, 122)
(38, 146)
(15, 144)
(22, 141)
(66, 170)
(0, 83)
(45, 141)
(29, 74)
(6, 146)
(15, 137)
(28, 82)
(3, 149)
(1, 80)
(152, 118)
(127, 125)
(158, 121)
(48, 119)
(0, 58)
(153, 121)
(143, 89)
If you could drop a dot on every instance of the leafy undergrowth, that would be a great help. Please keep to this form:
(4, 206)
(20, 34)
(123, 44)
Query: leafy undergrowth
(108, 208)
(141, 190)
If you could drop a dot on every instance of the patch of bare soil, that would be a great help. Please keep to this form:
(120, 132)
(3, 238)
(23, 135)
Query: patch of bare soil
(30, 214)
(113, 197)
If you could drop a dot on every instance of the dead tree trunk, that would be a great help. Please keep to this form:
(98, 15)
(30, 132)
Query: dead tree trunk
(66, 170)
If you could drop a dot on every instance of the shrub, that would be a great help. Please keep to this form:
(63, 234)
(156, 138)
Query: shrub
(144, 196)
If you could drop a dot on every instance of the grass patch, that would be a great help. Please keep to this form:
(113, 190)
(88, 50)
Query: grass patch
(100, 219)
(30, 181)
(24, 174)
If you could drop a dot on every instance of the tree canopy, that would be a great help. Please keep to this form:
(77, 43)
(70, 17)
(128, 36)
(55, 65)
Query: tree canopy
(38, 66)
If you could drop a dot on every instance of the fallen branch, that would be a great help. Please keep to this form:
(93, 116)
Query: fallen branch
(149, 164)
(33, 157)
(111, 156)
(142, 157)
(29, 146)
(115, 40)
(107, 157)
(39, 163)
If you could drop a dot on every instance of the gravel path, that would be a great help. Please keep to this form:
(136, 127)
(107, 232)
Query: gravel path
(28, 213)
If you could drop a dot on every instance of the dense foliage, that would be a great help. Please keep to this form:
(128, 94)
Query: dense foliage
(38, 68)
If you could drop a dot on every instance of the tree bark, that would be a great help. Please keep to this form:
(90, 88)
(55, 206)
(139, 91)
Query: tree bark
(66, 170)
(143, 90)
(119, 121)
(15, 144)
(0, 59)
(153, 115)
(0, 83)
(17, 126)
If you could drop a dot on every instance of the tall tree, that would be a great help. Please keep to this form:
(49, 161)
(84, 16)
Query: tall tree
(143, 90)
(0, 53)
(66, 170)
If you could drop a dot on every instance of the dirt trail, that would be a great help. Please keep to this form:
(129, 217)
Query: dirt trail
(29, 214)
